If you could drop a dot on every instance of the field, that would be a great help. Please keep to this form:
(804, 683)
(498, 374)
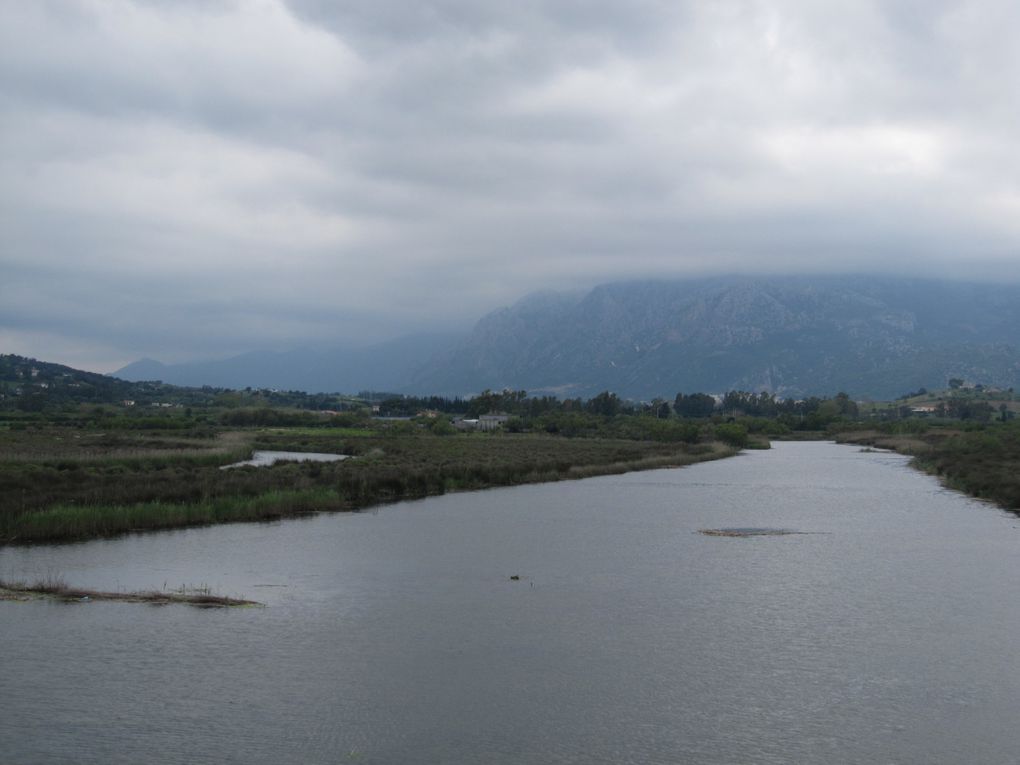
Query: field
(60, 482)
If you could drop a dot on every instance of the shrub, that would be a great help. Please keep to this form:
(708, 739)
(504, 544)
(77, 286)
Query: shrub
(732, 433)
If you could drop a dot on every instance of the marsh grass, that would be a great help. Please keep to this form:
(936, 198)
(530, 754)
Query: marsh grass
(342, 432)
(57, 589)
(69, 522)
(981, 462)
(69, 445)
(54, 501)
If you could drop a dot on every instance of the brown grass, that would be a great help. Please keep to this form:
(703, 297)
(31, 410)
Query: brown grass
(56, 589)
(904, 444)
(744, 533)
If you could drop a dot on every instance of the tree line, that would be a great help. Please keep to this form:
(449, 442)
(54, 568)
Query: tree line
(609, 404)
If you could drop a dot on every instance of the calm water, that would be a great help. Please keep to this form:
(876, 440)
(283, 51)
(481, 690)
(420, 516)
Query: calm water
(890, 634)
(266, 459)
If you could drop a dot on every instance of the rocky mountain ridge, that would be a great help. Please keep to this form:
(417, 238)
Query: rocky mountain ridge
(793, 336)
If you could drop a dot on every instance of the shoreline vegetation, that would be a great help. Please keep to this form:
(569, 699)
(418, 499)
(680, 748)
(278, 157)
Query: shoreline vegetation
(57, 590)
(983, 462)
(84, 456)
(68, 499)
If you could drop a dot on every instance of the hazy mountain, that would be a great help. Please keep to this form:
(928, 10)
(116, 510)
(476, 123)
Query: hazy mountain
(383, 366)
(793, 336)
(32, 384)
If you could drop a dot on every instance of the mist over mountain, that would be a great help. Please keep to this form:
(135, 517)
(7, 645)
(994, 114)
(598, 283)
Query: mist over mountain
(382, 366)
(794, 336)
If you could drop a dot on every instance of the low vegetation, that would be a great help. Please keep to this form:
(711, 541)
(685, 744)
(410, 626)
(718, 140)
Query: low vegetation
(747, 533)
(84, 456)
(56, 589)
(93, 484)
(982, 460)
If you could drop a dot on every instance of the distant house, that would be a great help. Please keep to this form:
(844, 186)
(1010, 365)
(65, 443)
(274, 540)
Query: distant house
(493, 421)
(923, 411)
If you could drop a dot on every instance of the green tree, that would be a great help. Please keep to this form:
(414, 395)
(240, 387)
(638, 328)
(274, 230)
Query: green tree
(607, 404)
(847, 407)
(732, 433)
(440, 426)
(694, 405)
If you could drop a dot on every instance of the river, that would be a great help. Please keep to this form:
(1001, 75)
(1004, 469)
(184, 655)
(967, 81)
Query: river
(889, 632)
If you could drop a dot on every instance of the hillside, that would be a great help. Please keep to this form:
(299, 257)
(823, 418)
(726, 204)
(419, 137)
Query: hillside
(33, 385)
(30, 385)
(792, 336)
(383, 366)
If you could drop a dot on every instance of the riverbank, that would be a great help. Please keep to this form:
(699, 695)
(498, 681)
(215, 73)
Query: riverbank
(980, 462)
(68, 498)
(401, 637)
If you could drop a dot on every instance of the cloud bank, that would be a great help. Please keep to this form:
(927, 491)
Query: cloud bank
(197, 179)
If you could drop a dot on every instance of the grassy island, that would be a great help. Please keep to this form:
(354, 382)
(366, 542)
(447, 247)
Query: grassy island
(60, 482)
(58, 590)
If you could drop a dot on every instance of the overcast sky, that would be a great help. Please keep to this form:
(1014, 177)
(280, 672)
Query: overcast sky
(195, 179)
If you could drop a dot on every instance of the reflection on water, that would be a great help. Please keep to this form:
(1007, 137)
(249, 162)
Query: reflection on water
(265, 459)
(888, 634)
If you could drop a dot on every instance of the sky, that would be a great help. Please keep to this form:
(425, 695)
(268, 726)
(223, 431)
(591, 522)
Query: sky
(196, 179)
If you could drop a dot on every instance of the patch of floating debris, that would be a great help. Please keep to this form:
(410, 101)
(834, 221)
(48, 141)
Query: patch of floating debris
(751, 532)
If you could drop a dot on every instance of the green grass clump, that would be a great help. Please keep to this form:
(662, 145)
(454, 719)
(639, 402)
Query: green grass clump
(65, 522)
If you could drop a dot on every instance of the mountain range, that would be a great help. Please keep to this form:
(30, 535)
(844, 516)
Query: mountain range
(793, 336)
(379, 367)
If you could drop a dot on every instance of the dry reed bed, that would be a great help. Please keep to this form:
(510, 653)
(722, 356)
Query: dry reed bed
(55, 444)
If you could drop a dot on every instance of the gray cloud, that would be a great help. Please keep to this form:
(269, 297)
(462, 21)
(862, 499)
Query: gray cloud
(200, 179)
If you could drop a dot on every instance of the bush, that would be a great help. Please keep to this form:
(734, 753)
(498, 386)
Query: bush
(732, 433)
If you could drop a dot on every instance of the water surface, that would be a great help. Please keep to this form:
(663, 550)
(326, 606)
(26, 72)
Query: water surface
(886, 634)
(267, 458)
